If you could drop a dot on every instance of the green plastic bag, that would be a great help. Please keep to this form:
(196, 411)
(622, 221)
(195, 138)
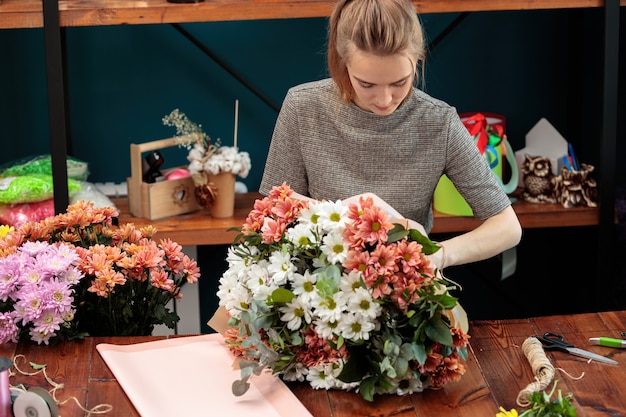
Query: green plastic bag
(42, 164)
(31, 188)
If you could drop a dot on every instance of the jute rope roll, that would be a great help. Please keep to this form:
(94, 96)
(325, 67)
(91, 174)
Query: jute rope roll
(541, 366)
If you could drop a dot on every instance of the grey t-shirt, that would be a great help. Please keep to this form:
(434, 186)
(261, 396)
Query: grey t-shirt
(330, 150)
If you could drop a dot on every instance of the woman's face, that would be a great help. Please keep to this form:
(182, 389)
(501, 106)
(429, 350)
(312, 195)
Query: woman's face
(381, 83)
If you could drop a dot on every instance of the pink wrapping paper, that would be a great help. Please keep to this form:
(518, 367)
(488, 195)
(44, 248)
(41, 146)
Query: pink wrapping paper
(192, 376)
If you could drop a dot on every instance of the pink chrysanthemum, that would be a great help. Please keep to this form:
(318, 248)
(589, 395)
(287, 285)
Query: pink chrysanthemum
(272, 231)
(374, 225)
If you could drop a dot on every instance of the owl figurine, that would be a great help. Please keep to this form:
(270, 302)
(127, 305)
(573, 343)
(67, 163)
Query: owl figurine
(538, 180)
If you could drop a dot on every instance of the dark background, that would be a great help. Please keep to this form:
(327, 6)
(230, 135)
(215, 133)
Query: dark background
(525, 65)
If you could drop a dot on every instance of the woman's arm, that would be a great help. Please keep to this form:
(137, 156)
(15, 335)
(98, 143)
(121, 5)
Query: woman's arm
(495, 235)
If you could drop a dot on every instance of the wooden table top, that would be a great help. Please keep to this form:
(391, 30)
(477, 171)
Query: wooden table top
(200, 228)
(496, 371)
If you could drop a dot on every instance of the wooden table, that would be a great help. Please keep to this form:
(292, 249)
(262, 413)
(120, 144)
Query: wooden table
(496, 371)
(199, 228)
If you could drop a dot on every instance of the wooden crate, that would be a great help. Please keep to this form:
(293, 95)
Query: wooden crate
(160, 199)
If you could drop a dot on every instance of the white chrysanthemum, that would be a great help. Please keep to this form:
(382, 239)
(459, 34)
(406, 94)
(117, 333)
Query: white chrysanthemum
(297, 372)
(280, 267)
(332, 216)
(303, 286)
(236, 263)
(259, 281)
(361, 302)
(350, 282)
(325, 329)
(322, 376)
(331, 308)
(335, 248)
(294, 313)
(301, 235)
(309, 216)
(232, 297)
(355, 327)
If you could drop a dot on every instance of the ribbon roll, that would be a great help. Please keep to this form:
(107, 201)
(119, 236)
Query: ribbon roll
(5, 392)
(36, 402)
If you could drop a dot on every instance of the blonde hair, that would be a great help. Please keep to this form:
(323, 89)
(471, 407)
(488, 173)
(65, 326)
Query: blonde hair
(379, 27)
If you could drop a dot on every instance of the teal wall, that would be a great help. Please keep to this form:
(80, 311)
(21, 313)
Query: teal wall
(123, 79)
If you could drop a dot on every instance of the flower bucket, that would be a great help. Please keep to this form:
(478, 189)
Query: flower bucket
(488, 130)
(224, 186)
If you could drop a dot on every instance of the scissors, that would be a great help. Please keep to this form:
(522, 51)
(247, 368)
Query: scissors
(554, 341)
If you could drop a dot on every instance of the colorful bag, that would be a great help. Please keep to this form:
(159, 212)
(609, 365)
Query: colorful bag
(488, 130)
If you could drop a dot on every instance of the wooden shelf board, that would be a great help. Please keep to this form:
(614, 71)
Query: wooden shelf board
(199, 228)
(28, 13)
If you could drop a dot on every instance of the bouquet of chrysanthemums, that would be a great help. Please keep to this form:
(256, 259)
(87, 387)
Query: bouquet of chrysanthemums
(76, 274)
(341, 297)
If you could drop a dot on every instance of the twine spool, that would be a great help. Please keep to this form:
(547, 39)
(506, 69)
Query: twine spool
(541, 366)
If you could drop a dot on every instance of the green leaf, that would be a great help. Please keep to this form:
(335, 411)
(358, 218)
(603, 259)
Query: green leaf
(387, 368)
(463, 353)
(390, 348)
(419, 352)
(429, 247)
(438, 331)
(384, 383)
(282, 295)
(296, 339)
(367, 388)
(328, 279)
(406, 351)
(37, 366)
(170, 320)
(418, 322)
(542, 406)
(397, 233)
(401, 366)
(340, 342)
(447, 301)
(355, 368)
(263, 321)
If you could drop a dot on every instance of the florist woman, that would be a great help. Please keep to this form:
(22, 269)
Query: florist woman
(369, 129)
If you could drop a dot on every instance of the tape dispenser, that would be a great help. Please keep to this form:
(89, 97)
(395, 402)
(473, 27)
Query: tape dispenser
(35, 402)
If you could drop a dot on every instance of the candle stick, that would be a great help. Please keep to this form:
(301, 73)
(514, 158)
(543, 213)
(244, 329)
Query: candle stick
(236, 122)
